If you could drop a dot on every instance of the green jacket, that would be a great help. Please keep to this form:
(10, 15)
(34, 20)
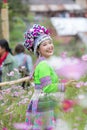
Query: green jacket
(45, 77)
(8, 66)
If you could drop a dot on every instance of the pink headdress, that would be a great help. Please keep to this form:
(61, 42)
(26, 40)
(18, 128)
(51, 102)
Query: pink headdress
(34, 36)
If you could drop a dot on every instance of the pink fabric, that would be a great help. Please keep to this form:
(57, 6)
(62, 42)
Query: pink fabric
(3, 58)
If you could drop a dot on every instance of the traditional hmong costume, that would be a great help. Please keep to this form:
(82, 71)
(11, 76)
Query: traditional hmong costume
(41, 109)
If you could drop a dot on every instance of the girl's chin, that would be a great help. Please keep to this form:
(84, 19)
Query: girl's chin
(49, 55)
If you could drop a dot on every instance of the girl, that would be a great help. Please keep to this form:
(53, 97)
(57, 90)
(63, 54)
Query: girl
(41, 113)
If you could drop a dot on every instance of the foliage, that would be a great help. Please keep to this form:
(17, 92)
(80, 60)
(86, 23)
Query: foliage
(13, 102)
(17, 7)
(74, 48)
(0, 4)
(18, 11)
(17, 31)
(77, 116)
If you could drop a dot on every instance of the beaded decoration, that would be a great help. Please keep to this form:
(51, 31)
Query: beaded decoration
(32, 34)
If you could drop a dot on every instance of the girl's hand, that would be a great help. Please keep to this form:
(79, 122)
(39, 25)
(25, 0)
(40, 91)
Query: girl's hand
(70, 83)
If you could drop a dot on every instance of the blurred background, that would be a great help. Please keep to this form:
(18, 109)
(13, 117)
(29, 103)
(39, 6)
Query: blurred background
(65, 19)
(67, 23)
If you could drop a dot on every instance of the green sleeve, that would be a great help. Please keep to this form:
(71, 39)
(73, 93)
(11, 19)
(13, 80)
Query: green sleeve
(50, 88)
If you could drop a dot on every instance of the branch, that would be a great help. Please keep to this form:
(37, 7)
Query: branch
(15, 81)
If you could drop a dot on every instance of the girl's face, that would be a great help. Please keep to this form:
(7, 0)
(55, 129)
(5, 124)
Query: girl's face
(46, 48)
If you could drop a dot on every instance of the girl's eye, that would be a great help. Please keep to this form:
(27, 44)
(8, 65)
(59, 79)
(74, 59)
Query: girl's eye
(50, 42)
(44, 44)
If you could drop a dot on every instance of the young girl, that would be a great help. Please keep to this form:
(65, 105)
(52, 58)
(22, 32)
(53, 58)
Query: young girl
(41, 113)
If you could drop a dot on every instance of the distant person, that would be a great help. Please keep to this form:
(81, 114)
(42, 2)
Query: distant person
(25, 64)
(24, 60)
(7, 62)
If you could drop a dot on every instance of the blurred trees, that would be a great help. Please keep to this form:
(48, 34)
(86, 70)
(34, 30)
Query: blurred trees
(17, 12)
(20, 19)
(16, 9)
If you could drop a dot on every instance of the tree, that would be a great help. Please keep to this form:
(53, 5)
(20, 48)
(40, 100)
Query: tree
(17, 7)
(18, 10)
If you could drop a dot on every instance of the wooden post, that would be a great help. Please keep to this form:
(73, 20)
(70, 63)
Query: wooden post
(5, 20)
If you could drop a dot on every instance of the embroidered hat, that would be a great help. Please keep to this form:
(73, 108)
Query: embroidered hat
(35, 36)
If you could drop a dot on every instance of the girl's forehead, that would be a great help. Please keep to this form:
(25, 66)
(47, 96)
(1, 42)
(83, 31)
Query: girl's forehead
(46, 41)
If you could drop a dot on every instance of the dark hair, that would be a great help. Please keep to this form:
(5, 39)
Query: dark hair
(4, 44)
(19, 48)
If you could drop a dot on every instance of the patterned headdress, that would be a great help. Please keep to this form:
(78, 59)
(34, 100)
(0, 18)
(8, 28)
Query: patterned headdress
(35, 36)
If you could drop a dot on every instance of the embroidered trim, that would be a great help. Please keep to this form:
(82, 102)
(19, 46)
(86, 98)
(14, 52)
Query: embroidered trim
(61, 87)
(34, 106)
(37, 86)
(44, 82)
